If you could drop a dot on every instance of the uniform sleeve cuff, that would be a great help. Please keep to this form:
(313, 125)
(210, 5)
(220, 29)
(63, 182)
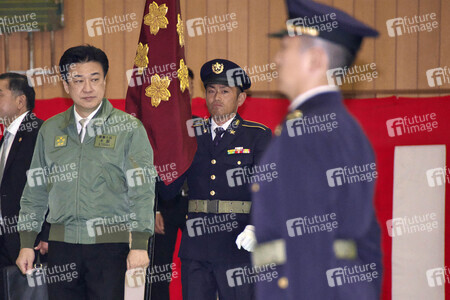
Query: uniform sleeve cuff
(27, 239)
(139, 240)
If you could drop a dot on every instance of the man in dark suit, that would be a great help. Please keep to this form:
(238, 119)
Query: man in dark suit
(317, 220)
(218, 235)
(21, 127)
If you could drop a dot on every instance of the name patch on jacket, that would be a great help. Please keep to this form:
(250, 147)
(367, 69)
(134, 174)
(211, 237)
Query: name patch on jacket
(60, 141)
(105, 141)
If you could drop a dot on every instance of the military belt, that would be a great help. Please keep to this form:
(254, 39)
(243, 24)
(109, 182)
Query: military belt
(219, 206)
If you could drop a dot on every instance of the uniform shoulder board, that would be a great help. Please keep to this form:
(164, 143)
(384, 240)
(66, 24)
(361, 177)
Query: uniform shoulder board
(199, 122)
(247, 123)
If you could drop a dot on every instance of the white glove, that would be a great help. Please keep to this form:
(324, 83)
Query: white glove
(247, 238)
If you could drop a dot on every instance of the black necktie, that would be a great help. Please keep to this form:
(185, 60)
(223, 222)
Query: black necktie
(219, 132)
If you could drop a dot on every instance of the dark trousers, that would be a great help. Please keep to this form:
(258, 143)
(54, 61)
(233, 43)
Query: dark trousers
(203, 280)
(174, 215)
(5, 261)
(96, 271)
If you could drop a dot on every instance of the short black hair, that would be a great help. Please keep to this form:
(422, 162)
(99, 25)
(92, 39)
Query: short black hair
(191, 74)
(18, 84)
(81, 54)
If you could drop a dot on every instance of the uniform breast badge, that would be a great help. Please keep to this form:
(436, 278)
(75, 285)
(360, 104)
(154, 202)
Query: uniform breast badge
(60, 141)
(105, 141)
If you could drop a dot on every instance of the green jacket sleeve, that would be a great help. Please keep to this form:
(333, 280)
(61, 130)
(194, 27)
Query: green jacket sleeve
(140, 172)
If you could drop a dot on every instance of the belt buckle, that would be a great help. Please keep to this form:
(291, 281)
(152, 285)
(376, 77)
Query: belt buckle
(212, 206)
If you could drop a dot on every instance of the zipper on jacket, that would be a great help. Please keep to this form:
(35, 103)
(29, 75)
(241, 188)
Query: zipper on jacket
(77, 215)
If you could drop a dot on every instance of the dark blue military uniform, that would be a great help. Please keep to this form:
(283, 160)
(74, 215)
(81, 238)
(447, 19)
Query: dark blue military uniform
(208, 249)
(303, 189)
(316, 221)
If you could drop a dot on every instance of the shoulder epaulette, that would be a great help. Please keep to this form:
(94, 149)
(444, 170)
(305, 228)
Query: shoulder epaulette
(247, 123)
(200, 122)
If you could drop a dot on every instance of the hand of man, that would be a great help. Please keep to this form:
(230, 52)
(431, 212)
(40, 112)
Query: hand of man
(159, 223)
(42, 247)
(137, 259)
(247, 239)
(25, 260)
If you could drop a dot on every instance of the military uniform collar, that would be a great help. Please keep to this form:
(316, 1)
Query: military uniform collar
(224, 126)
(302, 98)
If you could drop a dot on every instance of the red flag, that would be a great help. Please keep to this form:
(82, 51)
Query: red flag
(158, 88)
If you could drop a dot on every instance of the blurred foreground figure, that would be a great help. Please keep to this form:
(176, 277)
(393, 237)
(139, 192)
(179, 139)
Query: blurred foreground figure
(316, 221)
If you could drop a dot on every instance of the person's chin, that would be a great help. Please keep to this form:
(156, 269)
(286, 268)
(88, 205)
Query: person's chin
(91, 102)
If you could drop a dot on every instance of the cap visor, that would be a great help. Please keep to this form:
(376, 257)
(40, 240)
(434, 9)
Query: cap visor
(278, 34)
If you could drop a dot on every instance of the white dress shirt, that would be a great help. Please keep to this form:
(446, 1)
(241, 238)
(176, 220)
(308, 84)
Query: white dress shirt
(302, 98)
(88, 119)
(12, 129)
(214, 126)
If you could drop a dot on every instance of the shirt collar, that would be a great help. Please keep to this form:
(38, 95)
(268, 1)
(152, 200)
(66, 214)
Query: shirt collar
(224, 126)
(88, 118)
(302, 98)
(14, 126)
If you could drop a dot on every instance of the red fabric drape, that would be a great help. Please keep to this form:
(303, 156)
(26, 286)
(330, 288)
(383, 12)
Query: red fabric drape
(372, 115)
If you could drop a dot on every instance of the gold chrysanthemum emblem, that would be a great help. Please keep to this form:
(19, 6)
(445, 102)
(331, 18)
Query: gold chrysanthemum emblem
(180, 30)
(141, 59)
(156, 17)
(158, 90)
(183, 76)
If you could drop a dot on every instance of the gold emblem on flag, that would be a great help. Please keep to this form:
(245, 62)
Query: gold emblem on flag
(158, 91)
(217, 68)
(156, 17)
(141, 59)
(183, 76)
(180, 30)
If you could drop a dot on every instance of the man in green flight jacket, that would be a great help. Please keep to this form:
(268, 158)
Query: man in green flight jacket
(92, 169)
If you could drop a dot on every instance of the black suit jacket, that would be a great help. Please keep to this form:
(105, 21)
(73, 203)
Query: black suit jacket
(14, 180)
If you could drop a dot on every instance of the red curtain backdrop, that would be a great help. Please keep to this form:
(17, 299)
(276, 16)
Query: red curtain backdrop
(372, 115)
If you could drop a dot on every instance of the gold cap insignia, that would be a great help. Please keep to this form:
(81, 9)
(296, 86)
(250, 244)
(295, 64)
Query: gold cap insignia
(217, 68)
(302, 30)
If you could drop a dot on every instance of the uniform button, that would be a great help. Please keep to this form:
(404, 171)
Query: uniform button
(278, 130)
(213, 161)
(212, 193)
(239, 162)
(213, 177)
(255, 187)
(283, 283)
(186, 217)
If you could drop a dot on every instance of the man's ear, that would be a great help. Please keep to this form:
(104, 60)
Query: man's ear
(66, 86)
(318, 59)
(241, 98)
(22, 102)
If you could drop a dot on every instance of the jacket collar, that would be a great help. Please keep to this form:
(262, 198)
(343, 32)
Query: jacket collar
(233, 130)
(104, 112)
